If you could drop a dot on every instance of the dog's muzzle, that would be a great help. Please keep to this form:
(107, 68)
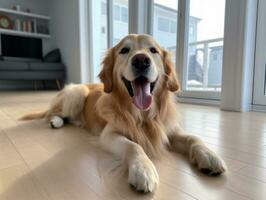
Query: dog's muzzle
(141, 91)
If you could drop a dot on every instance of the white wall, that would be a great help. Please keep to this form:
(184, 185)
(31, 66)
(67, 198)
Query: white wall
(36, 6)
(238, 60)
(65, 35)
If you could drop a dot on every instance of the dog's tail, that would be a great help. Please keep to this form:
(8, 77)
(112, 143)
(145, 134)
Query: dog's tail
(34, 115)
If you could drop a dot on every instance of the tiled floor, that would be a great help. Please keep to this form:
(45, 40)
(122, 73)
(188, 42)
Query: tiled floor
(37, 162)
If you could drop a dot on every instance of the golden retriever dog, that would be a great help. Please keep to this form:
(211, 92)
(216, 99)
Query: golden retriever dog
(134, 110)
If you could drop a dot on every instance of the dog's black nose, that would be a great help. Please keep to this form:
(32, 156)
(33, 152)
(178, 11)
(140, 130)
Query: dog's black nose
(141, 62)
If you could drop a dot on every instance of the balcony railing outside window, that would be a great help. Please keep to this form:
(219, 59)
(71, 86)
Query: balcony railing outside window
(205, 65)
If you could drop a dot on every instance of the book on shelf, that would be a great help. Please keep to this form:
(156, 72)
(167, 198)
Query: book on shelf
(24, 26)
(29, 26)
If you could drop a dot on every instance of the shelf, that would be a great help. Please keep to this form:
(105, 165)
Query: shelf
(21, 13)
(25, 34)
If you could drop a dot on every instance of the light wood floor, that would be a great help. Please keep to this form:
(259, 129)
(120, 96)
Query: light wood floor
(37, 162)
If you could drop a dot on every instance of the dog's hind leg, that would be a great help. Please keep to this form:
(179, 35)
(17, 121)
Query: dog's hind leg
(67, 106)
(56, 122)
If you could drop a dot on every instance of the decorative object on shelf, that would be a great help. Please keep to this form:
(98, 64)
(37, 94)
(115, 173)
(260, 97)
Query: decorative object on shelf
(24, 28)
(5, 22)
(29, 26)
(17, 7)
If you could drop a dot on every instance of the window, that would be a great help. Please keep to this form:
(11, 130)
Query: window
(116, 40)
(124, 14)
(199, 34)
(103, 8)
(120, 22)
(99, 24)
(121, 13)
(205, 45)
(102, 30)
(165, 24)
(173, 26)
(117, 12)
(191, 31)
(102, 21)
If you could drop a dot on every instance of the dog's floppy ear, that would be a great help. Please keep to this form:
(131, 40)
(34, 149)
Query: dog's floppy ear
(172, 82)
(106, 74)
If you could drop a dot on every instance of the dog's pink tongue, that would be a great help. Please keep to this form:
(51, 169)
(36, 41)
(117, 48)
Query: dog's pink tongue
(142, 96)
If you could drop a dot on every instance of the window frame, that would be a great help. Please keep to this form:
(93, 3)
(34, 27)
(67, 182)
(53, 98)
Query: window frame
(91, 35)
(239, 34)
(259, 88)
(182, 55)
(182, 35)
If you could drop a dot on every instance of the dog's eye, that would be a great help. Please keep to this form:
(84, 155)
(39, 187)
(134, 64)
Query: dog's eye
(124, 50)
(153, 50)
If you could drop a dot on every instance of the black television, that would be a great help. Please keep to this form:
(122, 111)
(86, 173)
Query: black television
(21, 47)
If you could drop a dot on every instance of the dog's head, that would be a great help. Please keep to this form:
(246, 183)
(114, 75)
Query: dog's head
(135, 66)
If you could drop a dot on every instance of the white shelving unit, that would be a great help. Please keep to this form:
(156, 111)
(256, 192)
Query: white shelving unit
(22, 33)
(28, 15)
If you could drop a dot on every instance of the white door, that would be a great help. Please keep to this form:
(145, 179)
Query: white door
(260, 57)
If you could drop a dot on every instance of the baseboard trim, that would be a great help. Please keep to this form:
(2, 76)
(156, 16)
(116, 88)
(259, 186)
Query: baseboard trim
(210, 102)
(198, 101)
(258, 108)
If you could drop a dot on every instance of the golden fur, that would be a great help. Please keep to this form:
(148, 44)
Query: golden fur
(127, 131)
(95, 108)
(149, 128)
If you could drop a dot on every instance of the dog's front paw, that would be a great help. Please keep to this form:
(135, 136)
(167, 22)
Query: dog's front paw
(143, 175)
(207, 161)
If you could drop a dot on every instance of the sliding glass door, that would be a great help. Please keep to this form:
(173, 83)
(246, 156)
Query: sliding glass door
(120, 20)
(193, 30)
(260, 57)
(201, 39)
(109, 25)
(165, 24)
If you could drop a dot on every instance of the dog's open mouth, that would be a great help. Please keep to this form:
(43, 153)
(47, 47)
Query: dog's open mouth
(141, 91)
